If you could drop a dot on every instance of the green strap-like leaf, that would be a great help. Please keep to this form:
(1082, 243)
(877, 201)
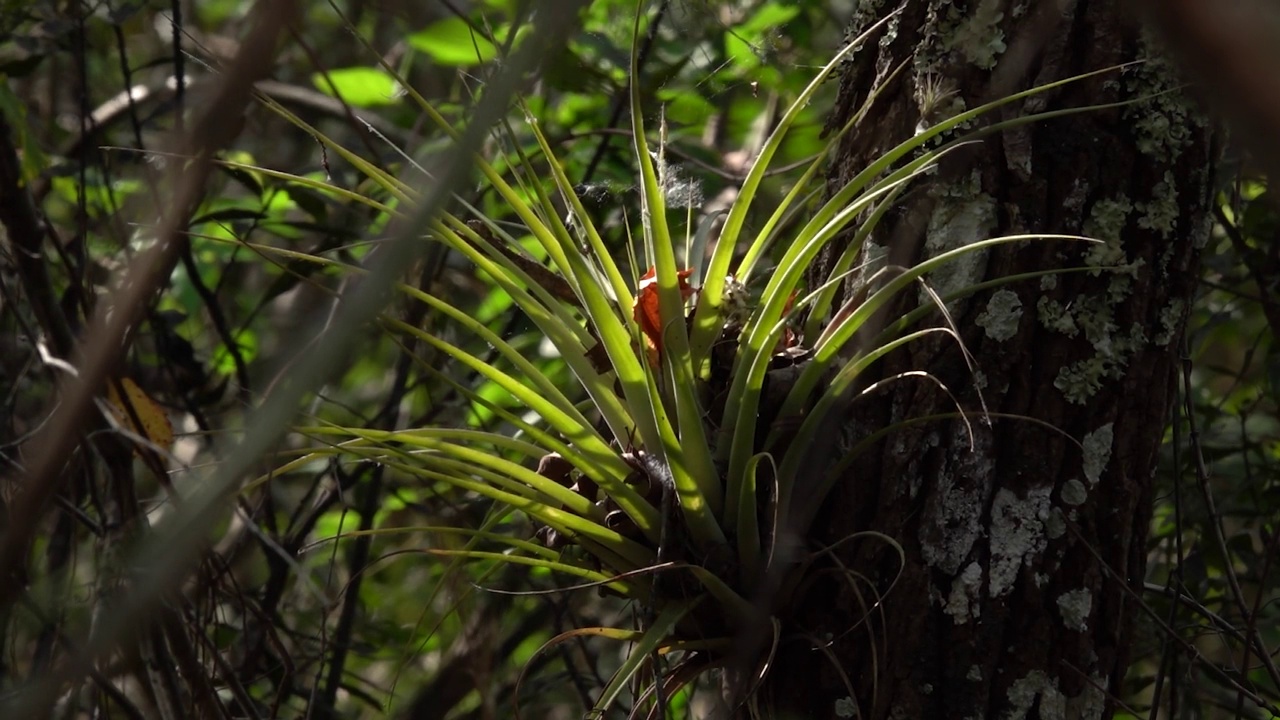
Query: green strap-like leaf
(824, 353)
(630, 554)
(708, 318)
(559, 328)
(688, 454)
(762, 331)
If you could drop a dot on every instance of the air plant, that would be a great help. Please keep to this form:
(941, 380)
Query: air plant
(662, 472)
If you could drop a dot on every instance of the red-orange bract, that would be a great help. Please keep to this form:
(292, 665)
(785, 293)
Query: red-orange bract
(646, 312)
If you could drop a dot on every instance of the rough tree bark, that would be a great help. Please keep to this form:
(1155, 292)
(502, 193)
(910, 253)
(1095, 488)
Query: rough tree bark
(1012, 602)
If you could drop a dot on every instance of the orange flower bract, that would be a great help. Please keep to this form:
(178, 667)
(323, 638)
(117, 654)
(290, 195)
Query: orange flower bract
(646, 311)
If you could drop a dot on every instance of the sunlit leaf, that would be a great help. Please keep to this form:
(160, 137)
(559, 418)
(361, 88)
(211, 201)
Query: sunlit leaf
(453, 42)
(359, 86)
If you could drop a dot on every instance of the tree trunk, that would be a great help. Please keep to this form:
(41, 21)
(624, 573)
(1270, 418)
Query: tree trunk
(1024, 546)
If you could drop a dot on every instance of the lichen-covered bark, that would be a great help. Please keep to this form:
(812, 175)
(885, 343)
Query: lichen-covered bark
(1019, 543)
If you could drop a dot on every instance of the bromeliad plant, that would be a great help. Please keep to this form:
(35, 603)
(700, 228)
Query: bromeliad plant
(677, 473)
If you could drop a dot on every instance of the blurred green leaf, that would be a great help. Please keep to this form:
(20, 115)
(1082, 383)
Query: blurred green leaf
(246, 342)
(743, 45)
(686, 108)
(452, 42)
(359, 86)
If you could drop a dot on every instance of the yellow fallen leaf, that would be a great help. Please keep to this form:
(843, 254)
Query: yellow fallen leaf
(155, 423)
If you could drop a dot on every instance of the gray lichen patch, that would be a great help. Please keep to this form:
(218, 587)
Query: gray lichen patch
(1081, 380)
(963, 602)
(1055, 526)
(964, 215)
(846, 707)
(1055, 316)
(1000, 319)
(1095, 318)
(952, 34)
(1017, 535)
(1121, 283)
(1095, 315)
(1162, 116)
(1053, 705)
(978, 37)
(1106, 221)
(1074, 605)
(1160, 213)
(980, 380)
(1025, 690)
(953, 520)
(1074, 492)
(957, 525)
(1097, 452)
